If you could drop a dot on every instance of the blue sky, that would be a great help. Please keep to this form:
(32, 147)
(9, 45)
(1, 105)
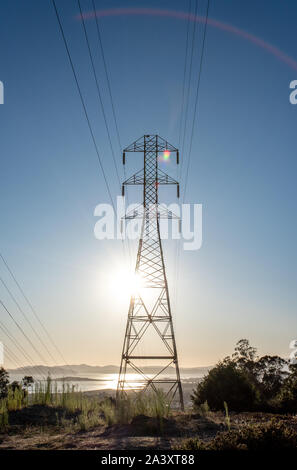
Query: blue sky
(242, 282)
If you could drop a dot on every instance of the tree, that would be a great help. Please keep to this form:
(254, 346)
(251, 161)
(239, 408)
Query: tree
(288, 393)
(270, 372)
(245, 357)
(267, 373)
(225, 382)
(4, 381)
(27, 381)
(244, 352)
(246, 381)
(15, 385)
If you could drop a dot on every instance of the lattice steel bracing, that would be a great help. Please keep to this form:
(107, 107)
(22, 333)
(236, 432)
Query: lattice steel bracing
(149, 316)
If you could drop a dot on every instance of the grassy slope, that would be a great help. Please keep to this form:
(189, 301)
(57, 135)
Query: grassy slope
(47, 427)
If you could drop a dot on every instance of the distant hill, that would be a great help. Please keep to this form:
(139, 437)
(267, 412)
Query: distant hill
(85, 369)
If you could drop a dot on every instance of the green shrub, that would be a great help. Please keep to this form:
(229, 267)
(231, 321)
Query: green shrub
(225, 383)
(247, 382)
(273, 435)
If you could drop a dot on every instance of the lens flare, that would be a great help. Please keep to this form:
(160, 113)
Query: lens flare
(199, 19)
(166, 154)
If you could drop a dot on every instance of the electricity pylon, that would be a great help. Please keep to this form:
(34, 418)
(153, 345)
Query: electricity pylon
(149, 315)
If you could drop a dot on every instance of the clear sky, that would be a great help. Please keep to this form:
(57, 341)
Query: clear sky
(242, 282)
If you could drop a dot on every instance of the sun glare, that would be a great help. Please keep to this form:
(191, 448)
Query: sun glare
(124, 284)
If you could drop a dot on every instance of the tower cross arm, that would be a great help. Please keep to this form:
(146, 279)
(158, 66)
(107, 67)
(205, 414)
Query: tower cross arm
(160, 144)
(160, 178)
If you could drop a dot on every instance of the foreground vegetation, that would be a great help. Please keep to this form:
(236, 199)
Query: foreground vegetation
(243, 403)
(75, 411)
(247, 382)
(272, 435)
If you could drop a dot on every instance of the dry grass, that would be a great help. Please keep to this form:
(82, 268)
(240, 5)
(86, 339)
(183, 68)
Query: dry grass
(72, 410)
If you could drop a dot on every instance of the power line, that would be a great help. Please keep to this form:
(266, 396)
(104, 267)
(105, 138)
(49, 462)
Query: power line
(197, 95)
(99, 35)
(27, 319)
(184, 75)
(185, 125)
(98, 90)
(22, 331)
(12, 357)
(107, 75)
(34, 311)
(180, 135)
(190, 76)
(82, 102)
(192, 130)
(100, 97)
(19, 347)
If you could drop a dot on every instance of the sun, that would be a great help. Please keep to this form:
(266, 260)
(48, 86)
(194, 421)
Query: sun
(124, 284)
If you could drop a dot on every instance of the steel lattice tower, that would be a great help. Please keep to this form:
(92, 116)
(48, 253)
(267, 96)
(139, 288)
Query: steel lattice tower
(149, 311)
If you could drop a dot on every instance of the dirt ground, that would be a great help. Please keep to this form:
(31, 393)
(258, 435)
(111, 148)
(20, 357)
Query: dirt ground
(137, 435)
